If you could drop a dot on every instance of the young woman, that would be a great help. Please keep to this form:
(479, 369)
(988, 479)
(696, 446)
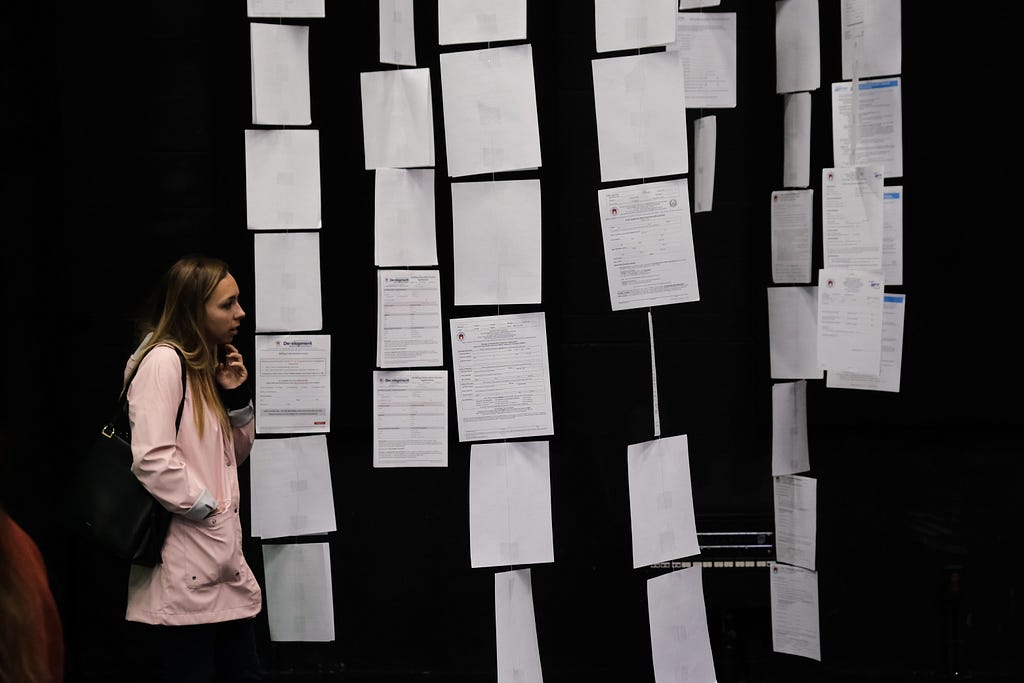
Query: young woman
(202, 596)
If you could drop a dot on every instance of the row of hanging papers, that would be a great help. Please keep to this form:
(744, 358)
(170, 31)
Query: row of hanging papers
(849, 326)
(491, 126)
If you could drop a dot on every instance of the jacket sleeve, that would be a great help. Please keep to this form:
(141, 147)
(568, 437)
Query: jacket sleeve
(153, 399)
(244, 427)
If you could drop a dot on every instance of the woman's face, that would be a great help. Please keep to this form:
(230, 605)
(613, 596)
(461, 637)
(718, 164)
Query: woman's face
(223, 312)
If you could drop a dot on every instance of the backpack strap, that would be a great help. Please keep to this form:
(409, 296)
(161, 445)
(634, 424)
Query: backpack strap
(118, 422)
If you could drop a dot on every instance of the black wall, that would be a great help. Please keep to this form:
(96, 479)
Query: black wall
(124, 149)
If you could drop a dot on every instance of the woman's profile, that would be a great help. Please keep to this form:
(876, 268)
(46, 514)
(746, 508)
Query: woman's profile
(202, 597)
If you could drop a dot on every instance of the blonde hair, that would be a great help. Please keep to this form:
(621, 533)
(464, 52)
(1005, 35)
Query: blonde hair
(177, 316)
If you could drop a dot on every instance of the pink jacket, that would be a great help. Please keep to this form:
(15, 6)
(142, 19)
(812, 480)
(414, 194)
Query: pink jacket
(203, 576)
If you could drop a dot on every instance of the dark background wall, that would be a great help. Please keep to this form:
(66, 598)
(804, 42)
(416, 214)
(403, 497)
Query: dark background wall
(124, 149)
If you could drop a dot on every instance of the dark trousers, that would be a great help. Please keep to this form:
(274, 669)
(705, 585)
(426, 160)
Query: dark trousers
(221, 652)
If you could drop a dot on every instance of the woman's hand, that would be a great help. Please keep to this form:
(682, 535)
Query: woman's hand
(231, 373)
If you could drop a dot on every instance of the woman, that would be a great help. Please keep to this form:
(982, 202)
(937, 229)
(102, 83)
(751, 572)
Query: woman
(202, 597)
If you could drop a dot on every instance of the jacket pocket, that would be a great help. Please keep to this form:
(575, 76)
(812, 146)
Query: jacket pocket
(211, 551)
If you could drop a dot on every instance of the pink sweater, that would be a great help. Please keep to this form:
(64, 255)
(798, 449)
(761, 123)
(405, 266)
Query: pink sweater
(203, 576)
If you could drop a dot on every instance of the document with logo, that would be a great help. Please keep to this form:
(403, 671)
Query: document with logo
(794, 596)
(502, 381)
(680, 641)
(792, 230)
(852, 217)
(409, 319)
(410, 418)
(850, 321)
(293, 383)
(648, 244)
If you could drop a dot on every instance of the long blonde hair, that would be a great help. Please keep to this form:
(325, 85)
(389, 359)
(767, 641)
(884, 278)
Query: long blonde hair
(177, 316)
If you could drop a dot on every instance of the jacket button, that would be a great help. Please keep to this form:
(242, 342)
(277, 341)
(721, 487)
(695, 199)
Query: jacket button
(213, 521)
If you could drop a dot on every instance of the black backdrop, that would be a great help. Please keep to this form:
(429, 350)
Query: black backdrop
(124, 125)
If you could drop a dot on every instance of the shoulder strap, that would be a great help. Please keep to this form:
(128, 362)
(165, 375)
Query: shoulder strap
(121, 412)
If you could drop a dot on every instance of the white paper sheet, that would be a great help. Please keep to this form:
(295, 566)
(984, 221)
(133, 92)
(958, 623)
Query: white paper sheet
(409, 319)
(797, 46)
(893, 311)
(790, 453)
(403, 217)
(410, 418)
(648, 244)
(282, 179)
(641, 116)
(680, 641)
(490, 110)
(510, 504)
(279, 59)
(293, 383)
(796, 520)
(515, 628)
(502, 381)
(793, 333)
(850, 320)
(792, 218)
(290, 487)
(654, 377)
(695, 4)
(879, 125)
(287, 270)
(852, 217)
(299, 594)
(796, 146)
(661, 501)
(397, 32)
(286, 8)
(794, 596)
(480, 21)
(705, 141)
(872, 38)
(892, 234)
(496, 235)
(632, 24)
(398, 118)
(706, 47)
